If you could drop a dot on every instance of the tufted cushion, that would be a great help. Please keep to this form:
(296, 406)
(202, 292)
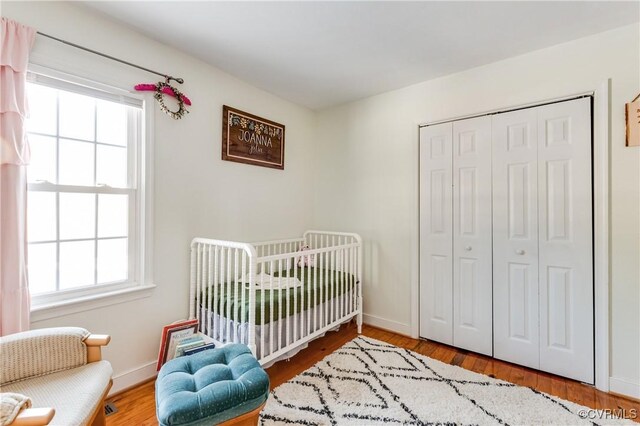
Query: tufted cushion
(210, 387)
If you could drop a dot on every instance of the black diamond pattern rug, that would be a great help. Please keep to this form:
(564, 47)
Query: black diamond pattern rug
(368, 382)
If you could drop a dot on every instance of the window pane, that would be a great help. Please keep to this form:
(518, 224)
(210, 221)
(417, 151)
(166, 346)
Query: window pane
(112, 215)
(77, 264)
(112, 123)
(112, 166)
(41, 216)
(42, 109)
(77, 216)
(77, 116)
(43, 159)
(112, 260)
(42, 268)
(76, 163)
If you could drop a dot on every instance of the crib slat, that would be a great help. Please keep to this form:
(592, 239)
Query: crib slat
(223, 293)
(332, 284)
(235, 321)
(339, 277)
(262, 323)
(305, 289)
(228, 294)
(198, 281)
(243, 316)
(216, 307)
(253, 266)
(356, 284)
(280, 305)
(295, 303)
(343, 294)
(315, 287)
(327, 288)
(208, 290)
(271, 295)
(351, 275)
(302, 307)
(203, 279)
(334, 278)
(288, 299)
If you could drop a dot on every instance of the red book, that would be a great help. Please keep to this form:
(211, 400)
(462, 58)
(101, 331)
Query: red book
(171, 334)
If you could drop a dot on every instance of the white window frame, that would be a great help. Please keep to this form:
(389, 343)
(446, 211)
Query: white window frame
(140, 280)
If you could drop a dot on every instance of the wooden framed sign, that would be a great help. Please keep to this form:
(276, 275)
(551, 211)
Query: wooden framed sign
(249, 139)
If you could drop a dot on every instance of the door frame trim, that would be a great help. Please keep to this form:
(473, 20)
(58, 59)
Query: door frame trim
(601, 140)
(601, 114)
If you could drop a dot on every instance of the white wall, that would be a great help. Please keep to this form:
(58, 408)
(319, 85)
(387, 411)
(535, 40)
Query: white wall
(369, 183)
(196, 193)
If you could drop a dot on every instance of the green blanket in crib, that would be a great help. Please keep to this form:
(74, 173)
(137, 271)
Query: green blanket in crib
(318, 286)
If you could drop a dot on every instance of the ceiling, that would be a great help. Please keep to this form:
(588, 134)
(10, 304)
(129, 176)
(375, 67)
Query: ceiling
(320, 54)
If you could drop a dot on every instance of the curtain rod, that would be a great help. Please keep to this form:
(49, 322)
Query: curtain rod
(179, 80)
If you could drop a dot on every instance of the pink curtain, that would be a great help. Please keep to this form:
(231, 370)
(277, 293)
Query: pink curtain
(15, 44)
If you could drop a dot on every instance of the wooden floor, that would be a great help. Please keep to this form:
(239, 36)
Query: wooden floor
(137, 406)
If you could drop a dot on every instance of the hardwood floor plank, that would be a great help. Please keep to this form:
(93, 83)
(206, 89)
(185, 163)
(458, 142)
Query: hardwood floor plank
(137, 406)
(559, 387)
(529, 378)
(469, 361)
(544, 383)
(480, 365)
(458, 359)
(516, 375)
(501, 370)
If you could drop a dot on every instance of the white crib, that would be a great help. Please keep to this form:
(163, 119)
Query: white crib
(234, 291)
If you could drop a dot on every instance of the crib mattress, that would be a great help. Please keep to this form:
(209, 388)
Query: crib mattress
(230, 303)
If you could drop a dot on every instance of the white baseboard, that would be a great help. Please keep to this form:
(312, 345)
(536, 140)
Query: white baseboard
(133, 377)
(390, 325)
(624, 387)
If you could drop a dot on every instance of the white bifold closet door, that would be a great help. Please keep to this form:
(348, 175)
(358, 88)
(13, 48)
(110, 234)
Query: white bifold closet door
(542, 245)
(455, 241)
(436, 236)
(515, 237)
(472, 278)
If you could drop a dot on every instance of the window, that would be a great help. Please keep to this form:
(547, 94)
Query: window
(85, 190)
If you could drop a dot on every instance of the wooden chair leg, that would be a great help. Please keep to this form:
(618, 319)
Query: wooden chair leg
(99, 417)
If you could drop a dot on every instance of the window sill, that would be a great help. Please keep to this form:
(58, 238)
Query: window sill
(87, 303)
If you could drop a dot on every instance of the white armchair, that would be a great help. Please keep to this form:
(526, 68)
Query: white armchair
(61, 370)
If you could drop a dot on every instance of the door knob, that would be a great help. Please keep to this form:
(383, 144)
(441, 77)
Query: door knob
(467, 248)
(520, 252)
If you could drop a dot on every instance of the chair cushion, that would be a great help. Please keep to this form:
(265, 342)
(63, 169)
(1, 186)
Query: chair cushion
(210, 387)
(42, 351)
(75, 393)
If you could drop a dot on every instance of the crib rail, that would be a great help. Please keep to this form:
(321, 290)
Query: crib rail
(273, 297)
(268, 248)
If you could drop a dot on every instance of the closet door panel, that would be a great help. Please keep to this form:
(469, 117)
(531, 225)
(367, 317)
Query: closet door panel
(565, 234)
(436, 240)
(515, 237)
(472, 276)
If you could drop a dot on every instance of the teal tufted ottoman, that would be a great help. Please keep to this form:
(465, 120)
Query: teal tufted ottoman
(211, 387)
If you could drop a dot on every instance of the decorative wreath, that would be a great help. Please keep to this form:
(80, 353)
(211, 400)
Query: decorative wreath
(159, 96)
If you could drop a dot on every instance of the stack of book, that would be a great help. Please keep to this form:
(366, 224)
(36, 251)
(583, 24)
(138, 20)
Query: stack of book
(191, 345)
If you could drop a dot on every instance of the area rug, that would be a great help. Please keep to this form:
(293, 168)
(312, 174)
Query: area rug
(368, 382)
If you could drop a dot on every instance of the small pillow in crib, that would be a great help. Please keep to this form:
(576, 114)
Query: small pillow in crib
(306, 260)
